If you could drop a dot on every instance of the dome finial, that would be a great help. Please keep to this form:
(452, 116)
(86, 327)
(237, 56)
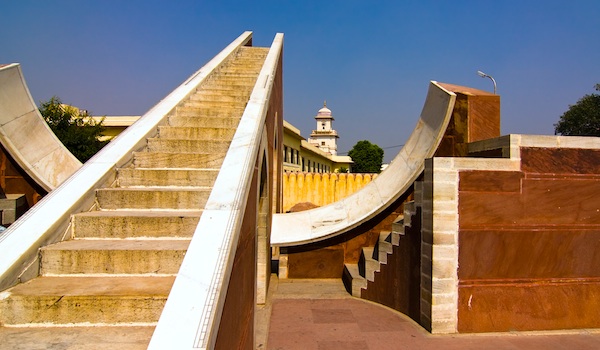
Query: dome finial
(325, 103)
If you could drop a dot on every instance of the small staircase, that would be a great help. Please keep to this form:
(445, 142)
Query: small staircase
(356, 276)
(122, 257)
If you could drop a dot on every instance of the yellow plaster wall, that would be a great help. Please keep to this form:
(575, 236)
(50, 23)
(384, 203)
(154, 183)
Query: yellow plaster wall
(320, 189)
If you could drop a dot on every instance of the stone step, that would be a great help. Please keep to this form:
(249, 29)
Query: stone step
(79, 300)
(113, 256)
(204, 122)
(243, 69)
(206, 112)
(222, 96)
(123, 337)
(383, 247)
(135, 224)
(353, 281)
(152, 198)
(230, 86)
(224, 80)
(196, 133)
(134, 177)
(249, 54)
(255, 60)
(248, 58)
(367, 264)
(188, 146)
(177, 160)
(222, 105)
(398, 229)
(244, 66)
(253, 51)
(409, 210)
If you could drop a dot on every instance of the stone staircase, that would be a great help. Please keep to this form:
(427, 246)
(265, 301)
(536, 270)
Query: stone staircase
(121, 258)
(356, 276)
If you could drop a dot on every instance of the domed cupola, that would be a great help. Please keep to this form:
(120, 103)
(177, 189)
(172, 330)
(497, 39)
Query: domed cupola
(324, 112)
(324, 137)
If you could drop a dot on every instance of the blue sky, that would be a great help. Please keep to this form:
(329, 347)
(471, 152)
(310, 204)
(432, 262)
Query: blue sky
(371, 60)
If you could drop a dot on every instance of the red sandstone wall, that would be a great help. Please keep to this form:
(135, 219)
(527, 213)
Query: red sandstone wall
(529, 246)
(236, 329)
(326, 259)
(14, 180)
(475, 117)
(398, 283)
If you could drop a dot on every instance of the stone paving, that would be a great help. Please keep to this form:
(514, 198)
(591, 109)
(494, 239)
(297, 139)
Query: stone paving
(324, 317)
(311, 315)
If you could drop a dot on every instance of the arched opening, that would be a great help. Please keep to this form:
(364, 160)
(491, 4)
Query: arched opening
(263, 230)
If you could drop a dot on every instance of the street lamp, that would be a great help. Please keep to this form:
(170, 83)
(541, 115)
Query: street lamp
(483, 75)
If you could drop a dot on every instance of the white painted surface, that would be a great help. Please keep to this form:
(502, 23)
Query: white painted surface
(328, 221)
(26, 136)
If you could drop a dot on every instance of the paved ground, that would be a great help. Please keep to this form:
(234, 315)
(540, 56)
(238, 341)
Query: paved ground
(309, 315)
(320, 316)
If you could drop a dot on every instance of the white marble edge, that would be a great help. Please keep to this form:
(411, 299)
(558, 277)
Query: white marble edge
(19, 243)
(193, 310)
(328, 221)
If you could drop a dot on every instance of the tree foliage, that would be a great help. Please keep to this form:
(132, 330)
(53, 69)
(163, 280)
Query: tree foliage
(582, 118)
(367, 157)
(74, 128)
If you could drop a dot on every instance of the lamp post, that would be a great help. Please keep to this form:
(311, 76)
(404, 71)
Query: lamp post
(483, 75)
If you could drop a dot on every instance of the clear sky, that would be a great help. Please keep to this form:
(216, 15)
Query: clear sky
(371, 60)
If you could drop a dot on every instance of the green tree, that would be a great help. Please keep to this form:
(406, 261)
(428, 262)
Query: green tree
(367, 157)
(74, 128)
(582, 118)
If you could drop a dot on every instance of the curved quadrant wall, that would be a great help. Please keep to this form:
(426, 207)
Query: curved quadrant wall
(41, 155)
(339, 217)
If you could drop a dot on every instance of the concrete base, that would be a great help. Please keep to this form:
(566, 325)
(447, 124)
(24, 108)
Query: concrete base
(12, 207)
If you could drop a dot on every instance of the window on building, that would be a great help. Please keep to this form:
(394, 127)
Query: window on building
(322, 143)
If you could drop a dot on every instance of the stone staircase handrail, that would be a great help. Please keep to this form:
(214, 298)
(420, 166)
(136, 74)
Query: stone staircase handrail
(192, 313)
(47, 221)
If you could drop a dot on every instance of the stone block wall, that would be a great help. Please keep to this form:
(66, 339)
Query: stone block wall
(529, 249)
(512, 244)
(439, 251)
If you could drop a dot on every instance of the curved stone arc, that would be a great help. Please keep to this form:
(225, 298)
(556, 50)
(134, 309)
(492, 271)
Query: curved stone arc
(26, 136)
(331, 220)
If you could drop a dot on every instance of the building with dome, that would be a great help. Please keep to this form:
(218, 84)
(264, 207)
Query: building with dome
(318, 154)
(324, 137)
